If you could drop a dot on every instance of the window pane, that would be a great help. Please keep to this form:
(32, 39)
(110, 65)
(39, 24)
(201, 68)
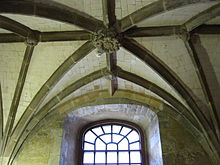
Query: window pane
(123, 145)
(117, 138)
(100, 145)
(88, 157)
(133, 136)
(88, 146)
(125, 131)
(116, 128)
(90, 137)
(106, 138)
(123, 157)
(112, 147)
(135, 157)
(100, 157)
(135, 146)
(98, 131)
(111, 157)
(107, 128)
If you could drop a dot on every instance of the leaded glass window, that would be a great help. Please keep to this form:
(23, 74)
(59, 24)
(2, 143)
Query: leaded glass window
(112, 144)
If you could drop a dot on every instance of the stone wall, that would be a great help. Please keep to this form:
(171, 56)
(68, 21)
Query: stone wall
(43, 148)
(179, 147)
(140, 115)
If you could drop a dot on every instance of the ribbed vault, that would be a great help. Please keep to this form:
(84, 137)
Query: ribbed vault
(147, 52)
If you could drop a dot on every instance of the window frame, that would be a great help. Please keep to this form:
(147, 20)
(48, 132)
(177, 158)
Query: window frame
(111, 121)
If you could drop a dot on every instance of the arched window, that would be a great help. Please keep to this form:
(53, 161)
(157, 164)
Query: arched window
(112, 143)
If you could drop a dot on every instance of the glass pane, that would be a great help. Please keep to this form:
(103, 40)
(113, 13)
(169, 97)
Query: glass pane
(135, 157)
(135, 146)
(117, 138)
(115, 145)
(106, 138)
(123, 145)
(116, 128)
(111, 157)
(125, 131)
(107, 128)
(98, 131)
(133, 136)
(123, 157)
(112, 147)
(88, 157)
(88, 146)
(90, 137)
(100, 157)
(99, 145)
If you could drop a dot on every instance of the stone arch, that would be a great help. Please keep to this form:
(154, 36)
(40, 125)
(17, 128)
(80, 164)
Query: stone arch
(140, 115)
(125, 97)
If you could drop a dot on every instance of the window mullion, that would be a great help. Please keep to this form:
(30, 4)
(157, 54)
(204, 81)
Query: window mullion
(111, 133)
(116, 146)
(105, 154)
(117, 155)
(94, 158)
(129, 152)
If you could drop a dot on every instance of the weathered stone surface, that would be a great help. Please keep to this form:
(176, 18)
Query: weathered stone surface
(179, 147)
(180, 95)
(140, 115)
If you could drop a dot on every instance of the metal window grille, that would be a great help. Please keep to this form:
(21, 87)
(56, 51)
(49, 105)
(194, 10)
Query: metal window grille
(112, 144)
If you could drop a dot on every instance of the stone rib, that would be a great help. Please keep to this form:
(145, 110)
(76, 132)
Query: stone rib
(14, 26)
(51, 10)
(108, 7)
(208, 79)
(162, 69)
(153, 31)
(160, 92)
(49, 105)
(153, 9)
(49, 84)
(1, 117)
(111, 59)
(202, 17)
(78, 35)
(17, 94)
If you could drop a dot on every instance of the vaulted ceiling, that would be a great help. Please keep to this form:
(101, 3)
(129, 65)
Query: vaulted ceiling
(54, 51)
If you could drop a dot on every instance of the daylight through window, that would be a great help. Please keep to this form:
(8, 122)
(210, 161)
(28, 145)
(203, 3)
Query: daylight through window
(112, 144)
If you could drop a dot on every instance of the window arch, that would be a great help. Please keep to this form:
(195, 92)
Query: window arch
(112, 142)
